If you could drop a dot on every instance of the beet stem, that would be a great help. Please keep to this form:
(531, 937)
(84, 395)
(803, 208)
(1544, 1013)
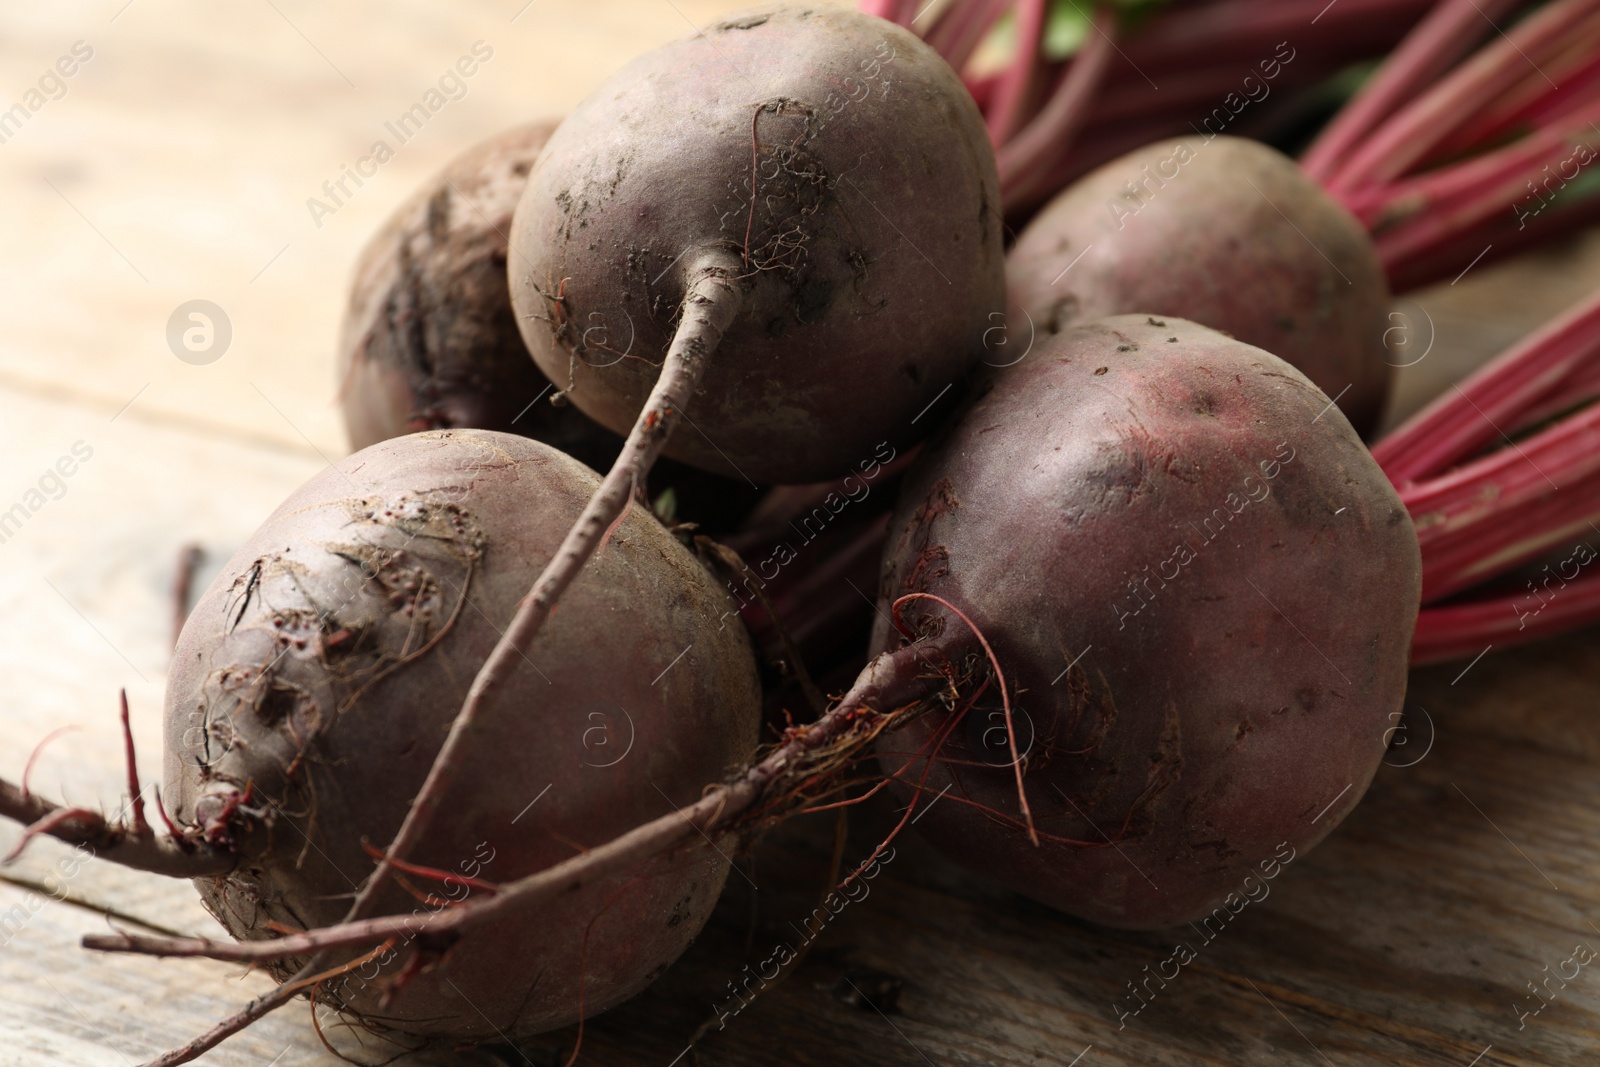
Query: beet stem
(734, 564)
(1413, 132)
(1050, 136)
(1456, 630)
(1491, 241)
(713, 300)
(1021, 77)
(1240, 31)
(905, 13)
(1534, 105)
(1453, 201)
(1521, 535)
(890, 683)
(1487, 181)
(1494, 486)
(1426, 53)
(1453, 427)
(141, 851)
(958, 35)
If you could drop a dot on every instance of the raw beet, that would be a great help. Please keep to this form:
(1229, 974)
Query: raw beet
(317, 678)
(1225, 232)
(430, 342)
(1201, 588)
(866, 266)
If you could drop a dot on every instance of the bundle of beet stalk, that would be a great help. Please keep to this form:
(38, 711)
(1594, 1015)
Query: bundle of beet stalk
(1451, 156)
(1093, 505)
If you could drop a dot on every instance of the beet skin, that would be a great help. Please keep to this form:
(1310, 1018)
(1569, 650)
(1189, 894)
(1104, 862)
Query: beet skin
(830, 163)
(1202, 590)
(316, 680)
(428, 340)
(1228, 233)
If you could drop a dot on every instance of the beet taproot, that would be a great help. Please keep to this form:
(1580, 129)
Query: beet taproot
(1225, 232)
(834, 171)
(317, 678)
(1201, 589)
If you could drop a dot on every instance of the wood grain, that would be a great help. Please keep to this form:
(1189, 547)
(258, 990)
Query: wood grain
(1407, 938)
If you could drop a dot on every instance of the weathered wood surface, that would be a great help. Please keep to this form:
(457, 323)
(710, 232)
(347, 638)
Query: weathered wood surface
(1407, 938)
(178, 165)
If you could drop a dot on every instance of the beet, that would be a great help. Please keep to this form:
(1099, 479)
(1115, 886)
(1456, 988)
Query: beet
(430, 341)
(860, 276)
(317, 678)
(1228, 233)
(1201, 588)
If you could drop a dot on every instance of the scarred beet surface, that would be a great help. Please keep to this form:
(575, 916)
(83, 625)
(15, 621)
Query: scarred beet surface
(317, 678)
(428, 340)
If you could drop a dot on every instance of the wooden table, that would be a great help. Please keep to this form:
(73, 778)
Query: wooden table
(177, 166)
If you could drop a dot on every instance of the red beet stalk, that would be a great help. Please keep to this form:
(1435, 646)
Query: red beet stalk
(1462, 630)
(1448, 31)
(1407, 138)
(1436, 154)
(1037, 132)
(1486, 503)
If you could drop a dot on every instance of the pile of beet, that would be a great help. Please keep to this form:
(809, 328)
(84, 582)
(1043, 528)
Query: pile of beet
(1076, 376)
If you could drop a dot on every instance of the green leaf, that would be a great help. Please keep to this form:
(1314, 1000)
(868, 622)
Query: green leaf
(1066, 29)
(1071, 21)
(666, 507)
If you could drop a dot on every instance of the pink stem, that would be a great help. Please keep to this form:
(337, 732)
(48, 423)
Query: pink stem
(1489, 242)
(1458, 424)
(796, 605)
(957, 36)
(1491, 488)
(982, 89)
(904, 11)
(1128, 113)
(1576, 86)
(1381, 207)
(1534, 106)
(1020, 79)
(1520, 536)
(1581, 387)
(1427, 52)
(1244, 31)
(1457, 631)
(1412, 133)
(1049, 137)
(1190, 93)
(1450, 202)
